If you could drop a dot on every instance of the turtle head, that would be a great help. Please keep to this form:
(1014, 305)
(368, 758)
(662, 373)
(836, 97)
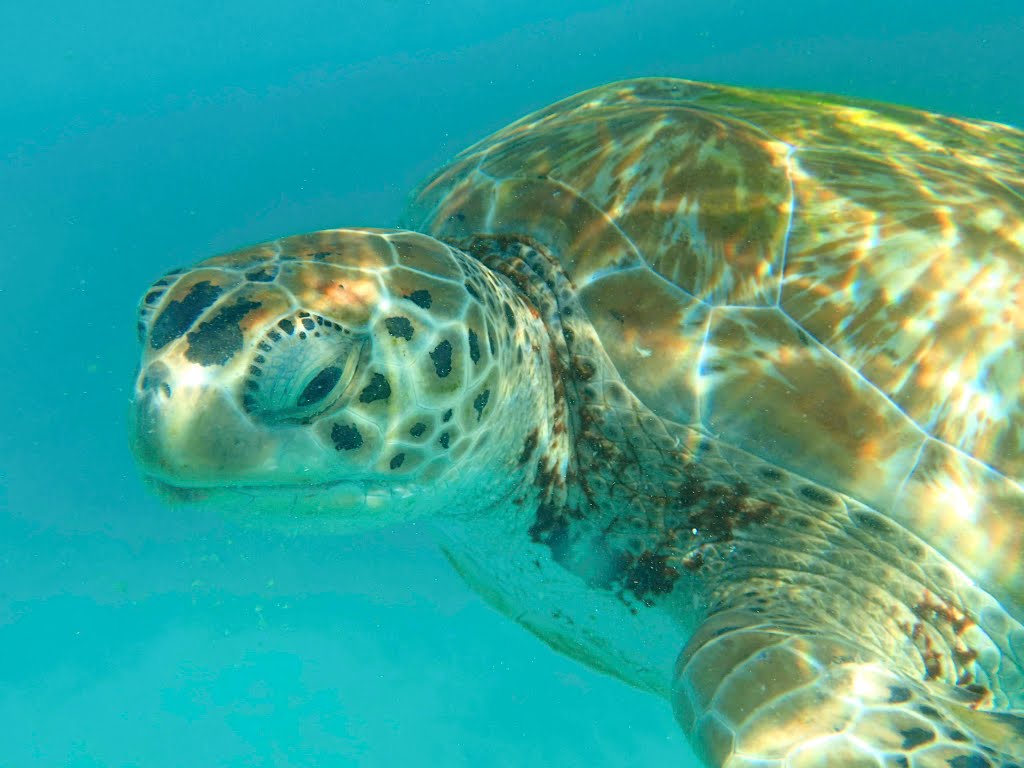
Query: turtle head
(368, 373)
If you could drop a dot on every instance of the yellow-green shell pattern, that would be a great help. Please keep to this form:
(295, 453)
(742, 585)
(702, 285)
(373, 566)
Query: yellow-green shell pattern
(833, 285)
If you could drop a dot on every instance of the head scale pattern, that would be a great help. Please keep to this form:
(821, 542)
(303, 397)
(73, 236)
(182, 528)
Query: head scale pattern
(356, 355)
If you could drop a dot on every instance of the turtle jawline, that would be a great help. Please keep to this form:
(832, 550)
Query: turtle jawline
(196, 493)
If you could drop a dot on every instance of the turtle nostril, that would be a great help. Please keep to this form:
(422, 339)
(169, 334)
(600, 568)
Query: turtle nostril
(155, 379)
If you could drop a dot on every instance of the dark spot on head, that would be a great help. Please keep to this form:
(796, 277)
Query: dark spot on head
(818, 496)
(490, 341)
(509, 315)
(216, 341)
(399, 327)
(286, 325)
(261, 275)
(321, 255)
(320, 386)
(152, 296)
(472, 291)
(442, 357)
(377, 389)
(444, 440)
(447, 415)
(346, 437)
(417, 429)
(420, 298)
(308, 323)
(178, 316)
(771, 474)
(396, 460)
(481, 402)
(474, 347)
(915, 737)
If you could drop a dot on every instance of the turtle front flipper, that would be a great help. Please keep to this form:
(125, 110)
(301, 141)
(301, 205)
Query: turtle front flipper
(753, 693)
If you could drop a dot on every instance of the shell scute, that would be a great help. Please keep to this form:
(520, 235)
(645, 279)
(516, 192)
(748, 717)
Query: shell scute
(654, 330)
(771, 389)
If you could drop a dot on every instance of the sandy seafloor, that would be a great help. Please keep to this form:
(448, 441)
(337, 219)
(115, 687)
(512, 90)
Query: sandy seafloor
(136, 137)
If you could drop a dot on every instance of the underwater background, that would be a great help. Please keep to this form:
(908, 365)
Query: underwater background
(139, 137)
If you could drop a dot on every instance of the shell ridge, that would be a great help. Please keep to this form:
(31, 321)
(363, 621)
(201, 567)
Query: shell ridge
(858, 375)
(791, 218)
(612, 223)
(918, 458)
(698, 388)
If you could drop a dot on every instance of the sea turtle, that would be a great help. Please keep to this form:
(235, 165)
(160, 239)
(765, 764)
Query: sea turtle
(718, 390)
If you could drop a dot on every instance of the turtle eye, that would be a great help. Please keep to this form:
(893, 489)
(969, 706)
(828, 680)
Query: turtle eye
(321, 386)
(301, 369)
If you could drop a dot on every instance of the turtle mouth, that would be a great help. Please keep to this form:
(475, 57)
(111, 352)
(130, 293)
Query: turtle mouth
(342, 508)
(339, 495)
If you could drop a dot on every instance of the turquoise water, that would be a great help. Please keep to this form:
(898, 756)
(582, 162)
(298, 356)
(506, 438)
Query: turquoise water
(135, 139)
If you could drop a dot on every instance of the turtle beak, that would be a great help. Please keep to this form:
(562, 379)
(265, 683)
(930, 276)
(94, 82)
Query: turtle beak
(191, 433)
